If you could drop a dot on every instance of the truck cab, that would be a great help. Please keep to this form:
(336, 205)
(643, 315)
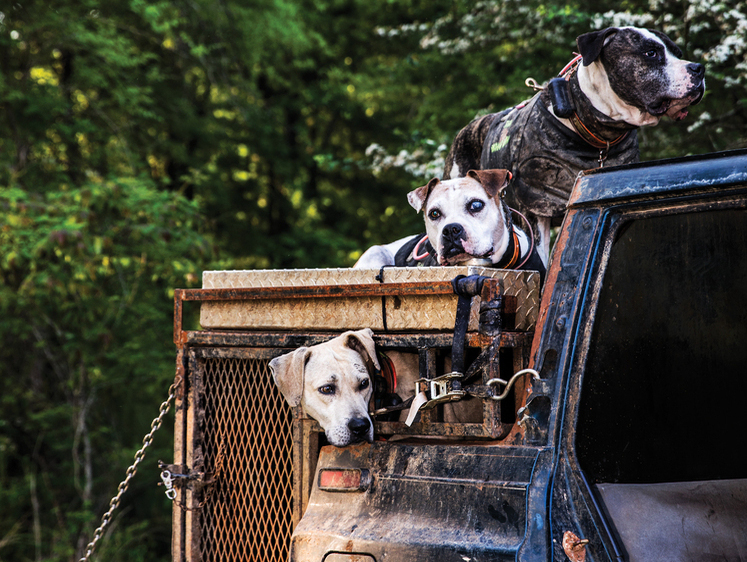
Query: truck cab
(630, 444)
(624, 442)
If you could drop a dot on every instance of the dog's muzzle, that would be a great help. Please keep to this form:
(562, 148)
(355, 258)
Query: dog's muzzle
(663, 106)
(359, 428)
(452, 236)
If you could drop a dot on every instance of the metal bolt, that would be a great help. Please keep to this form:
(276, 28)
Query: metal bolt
(560, 323)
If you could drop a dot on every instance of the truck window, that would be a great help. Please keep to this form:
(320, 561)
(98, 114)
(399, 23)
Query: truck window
(665, 384)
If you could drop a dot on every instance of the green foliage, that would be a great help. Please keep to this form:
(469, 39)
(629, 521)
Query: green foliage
(141, 141)
(86, 292)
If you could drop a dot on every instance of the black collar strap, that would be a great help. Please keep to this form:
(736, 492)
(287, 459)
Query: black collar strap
(425, 244)
(590, 138)
(513, 251)
(596, 128)
(512, 254)
(419, 247)
(387, 373)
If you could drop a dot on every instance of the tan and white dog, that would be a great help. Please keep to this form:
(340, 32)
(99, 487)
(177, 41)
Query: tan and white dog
(465, 220)
(333, 383)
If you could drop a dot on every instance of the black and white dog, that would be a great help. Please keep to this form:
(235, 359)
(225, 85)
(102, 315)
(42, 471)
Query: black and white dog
(466, 222)
(625, 78)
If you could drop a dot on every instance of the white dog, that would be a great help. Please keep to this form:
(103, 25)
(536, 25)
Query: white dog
(333, 382)
(466, 221)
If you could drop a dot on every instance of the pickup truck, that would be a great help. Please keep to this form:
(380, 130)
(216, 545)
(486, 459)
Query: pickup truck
(629, 444)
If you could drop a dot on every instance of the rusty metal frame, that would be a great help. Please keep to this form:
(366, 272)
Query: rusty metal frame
(306, 292)
(423, 343)
(178, 516)
(195, 346)
(491, 427)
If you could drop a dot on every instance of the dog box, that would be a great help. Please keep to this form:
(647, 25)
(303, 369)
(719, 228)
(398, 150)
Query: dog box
(246, 460)
(390, 313)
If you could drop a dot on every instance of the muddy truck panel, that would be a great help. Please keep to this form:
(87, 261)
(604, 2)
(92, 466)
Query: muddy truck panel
(421, 502)
(629, 445)
(648, 448)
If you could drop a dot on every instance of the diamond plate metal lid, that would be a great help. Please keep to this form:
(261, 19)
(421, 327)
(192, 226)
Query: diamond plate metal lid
(411, 313)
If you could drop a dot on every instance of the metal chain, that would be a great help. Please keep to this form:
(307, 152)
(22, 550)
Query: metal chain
(139, 456)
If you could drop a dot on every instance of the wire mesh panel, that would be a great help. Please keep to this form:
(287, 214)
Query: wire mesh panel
(247, 460)
(247, 442)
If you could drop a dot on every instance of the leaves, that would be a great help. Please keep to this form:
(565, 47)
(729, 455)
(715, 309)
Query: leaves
(144, 141)
(86, 302)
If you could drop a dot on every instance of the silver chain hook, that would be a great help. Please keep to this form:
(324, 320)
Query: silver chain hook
(510, 383)
(132, 470)
(532, 83)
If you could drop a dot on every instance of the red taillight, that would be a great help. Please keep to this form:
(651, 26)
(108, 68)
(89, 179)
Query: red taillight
(344, 479)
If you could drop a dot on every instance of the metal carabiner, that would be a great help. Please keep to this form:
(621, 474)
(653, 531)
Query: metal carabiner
(168, 482)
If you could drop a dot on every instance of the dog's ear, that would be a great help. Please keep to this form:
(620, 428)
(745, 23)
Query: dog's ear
(590, 44)
(668, 43)
(419, 196)
(493, 181)
(362, 342)
(288, 374)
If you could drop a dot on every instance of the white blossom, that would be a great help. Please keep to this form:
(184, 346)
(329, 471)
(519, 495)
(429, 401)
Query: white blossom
(422, 162)
(513, 22)
(702, 119)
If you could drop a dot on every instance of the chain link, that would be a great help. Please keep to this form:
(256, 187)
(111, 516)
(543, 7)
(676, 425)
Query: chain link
(132, 470)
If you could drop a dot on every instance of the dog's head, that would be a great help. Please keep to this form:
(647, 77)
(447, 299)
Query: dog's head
(464, 217)
(638, 75)
(333, 383)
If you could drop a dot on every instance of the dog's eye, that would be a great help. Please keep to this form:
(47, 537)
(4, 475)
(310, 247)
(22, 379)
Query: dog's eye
(475, 206)
(434, 214)
(364, 384)
(651, 54)
(327, 389)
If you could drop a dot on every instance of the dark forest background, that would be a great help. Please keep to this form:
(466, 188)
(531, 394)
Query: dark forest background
(142, 142)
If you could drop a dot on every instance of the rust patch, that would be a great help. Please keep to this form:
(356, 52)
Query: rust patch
(574, 547)
(552, 277)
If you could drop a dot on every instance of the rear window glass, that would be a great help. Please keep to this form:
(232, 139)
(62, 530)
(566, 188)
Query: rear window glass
(664, 391)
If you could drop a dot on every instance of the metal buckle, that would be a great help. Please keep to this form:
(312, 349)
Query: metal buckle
(441, 389)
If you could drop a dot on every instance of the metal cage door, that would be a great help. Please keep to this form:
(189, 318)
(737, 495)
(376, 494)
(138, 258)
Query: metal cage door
(247, 484)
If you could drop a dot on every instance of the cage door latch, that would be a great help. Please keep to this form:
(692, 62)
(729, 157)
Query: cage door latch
(175, 475)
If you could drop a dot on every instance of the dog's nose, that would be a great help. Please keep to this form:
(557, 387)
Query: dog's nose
(453, 232)
(359, 426)
(697, 70)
